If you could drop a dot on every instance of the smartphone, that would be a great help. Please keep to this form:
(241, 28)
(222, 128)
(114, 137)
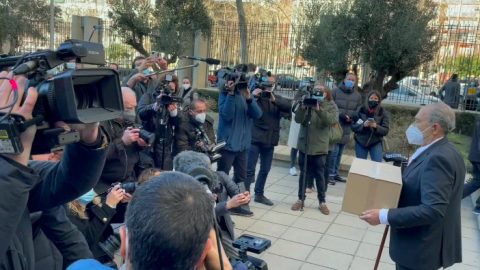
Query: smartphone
(151, 74)
(169, 77)
(371, 120)
(154, 54)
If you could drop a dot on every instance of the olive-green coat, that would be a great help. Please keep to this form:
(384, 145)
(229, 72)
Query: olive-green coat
(322, 121)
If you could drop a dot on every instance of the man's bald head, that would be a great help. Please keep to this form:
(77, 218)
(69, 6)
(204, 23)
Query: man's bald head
(129, 99)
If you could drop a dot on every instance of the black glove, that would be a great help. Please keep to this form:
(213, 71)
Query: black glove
(343, 118)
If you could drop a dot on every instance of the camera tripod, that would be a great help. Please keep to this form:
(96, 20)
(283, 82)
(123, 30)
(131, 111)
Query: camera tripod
(304, 176)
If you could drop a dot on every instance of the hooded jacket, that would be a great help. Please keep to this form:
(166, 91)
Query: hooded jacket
(236, 116)
(348, 101)
(38, 187)
(319, 130)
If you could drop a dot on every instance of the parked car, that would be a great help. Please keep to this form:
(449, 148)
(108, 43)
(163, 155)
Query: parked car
(408, 95)
(472, 101)
(305, 81)
(287, 81)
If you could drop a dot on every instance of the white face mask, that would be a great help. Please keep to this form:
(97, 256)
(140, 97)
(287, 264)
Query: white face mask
(251, 73)
(201, 117)
(71, 65)
(129, 116)
(186, 86)
(415, 135)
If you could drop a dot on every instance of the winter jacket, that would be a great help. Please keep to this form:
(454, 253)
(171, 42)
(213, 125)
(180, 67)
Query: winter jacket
(186, 136)
(38, 187)
(319, 130)
(121, 159)
(96, 228)
(236, 115)
(474, 155)
(152, 122)
(368, 136)
(188, 96)
(266, 129)
(348, 102)
(57, 242)
(451, 93)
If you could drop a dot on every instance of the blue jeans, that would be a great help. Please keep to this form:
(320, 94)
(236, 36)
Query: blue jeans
(473, 185)
(335, 159)
(266, 157)
(376, 151)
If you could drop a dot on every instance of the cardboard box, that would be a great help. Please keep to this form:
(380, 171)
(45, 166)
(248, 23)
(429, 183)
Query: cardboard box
(371, 185)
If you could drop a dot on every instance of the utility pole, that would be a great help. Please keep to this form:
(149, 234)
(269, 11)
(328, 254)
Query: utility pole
(52, 24)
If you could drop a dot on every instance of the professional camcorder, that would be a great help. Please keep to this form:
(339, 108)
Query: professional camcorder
(148, 137)
(313, 97)
(129, 187)
(227, 74)
(80, 96)
(253, 244)
(166, 99)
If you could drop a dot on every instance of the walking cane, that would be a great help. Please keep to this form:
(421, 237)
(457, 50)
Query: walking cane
(379, 255)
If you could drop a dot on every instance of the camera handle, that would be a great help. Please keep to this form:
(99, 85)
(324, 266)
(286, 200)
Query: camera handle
(304, 178)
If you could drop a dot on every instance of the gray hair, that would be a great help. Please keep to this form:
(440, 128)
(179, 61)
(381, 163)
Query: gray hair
(186, 159)
(444, 116)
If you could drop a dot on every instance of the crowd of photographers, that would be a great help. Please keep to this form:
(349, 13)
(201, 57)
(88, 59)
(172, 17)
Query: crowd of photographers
(60, 208)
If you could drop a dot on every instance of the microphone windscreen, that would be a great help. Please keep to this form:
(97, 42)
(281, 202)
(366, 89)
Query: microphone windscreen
(212, 61)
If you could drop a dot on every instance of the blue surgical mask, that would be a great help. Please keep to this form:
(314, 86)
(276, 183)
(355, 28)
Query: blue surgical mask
(71, 66)
(349, 84)
(146, 72)
(319, 98)
(87, 197)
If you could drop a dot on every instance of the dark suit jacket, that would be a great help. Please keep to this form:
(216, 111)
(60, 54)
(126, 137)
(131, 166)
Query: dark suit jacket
(426, 228)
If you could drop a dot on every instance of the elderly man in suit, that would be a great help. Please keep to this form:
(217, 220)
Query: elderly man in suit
(426, 232)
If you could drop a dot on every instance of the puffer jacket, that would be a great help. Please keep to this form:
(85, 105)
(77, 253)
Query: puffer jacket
(348, 102)
(368, 136)
(319, 135)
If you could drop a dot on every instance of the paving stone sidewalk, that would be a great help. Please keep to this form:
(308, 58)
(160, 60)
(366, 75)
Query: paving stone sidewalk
(310, 240)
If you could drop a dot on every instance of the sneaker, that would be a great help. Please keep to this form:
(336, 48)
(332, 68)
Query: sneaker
(339, 179)
(293, 171)
(241, 212)
(297, 206)
(324, 209)
(476, 210)
(309, 190)
(263, 200)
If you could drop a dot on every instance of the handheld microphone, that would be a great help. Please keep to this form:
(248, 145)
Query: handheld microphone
(209, 61)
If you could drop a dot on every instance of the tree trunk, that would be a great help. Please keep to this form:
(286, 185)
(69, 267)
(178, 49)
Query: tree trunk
(242, 26)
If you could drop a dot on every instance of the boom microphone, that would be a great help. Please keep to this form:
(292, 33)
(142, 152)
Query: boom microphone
(209, 61)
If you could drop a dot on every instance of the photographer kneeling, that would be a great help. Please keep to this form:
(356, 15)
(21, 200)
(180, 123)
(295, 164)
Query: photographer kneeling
(183, 162)
(169, 227)
(92, 218)
(33, 186)
(196, 133)
(161, 115)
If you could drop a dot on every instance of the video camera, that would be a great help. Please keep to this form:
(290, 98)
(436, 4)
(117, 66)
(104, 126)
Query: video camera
(227, 74)
(253, 244)
(166, 99)
(148, 137)
(313, 97)
(261, 82)
(80, 96)
(206, 177)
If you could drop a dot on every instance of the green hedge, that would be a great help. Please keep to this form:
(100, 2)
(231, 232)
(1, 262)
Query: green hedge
(400, 119)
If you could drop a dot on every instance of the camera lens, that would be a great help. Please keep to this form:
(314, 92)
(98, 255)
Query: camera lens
(129, 187)
(111, 245)
(85, 97)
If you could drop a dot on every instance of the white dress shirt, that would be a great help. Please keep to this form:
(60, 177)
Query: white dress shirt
(383, 215)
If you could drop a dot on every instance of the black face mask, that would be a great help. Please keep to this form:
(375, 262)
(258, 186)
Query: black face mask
(372, 104)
